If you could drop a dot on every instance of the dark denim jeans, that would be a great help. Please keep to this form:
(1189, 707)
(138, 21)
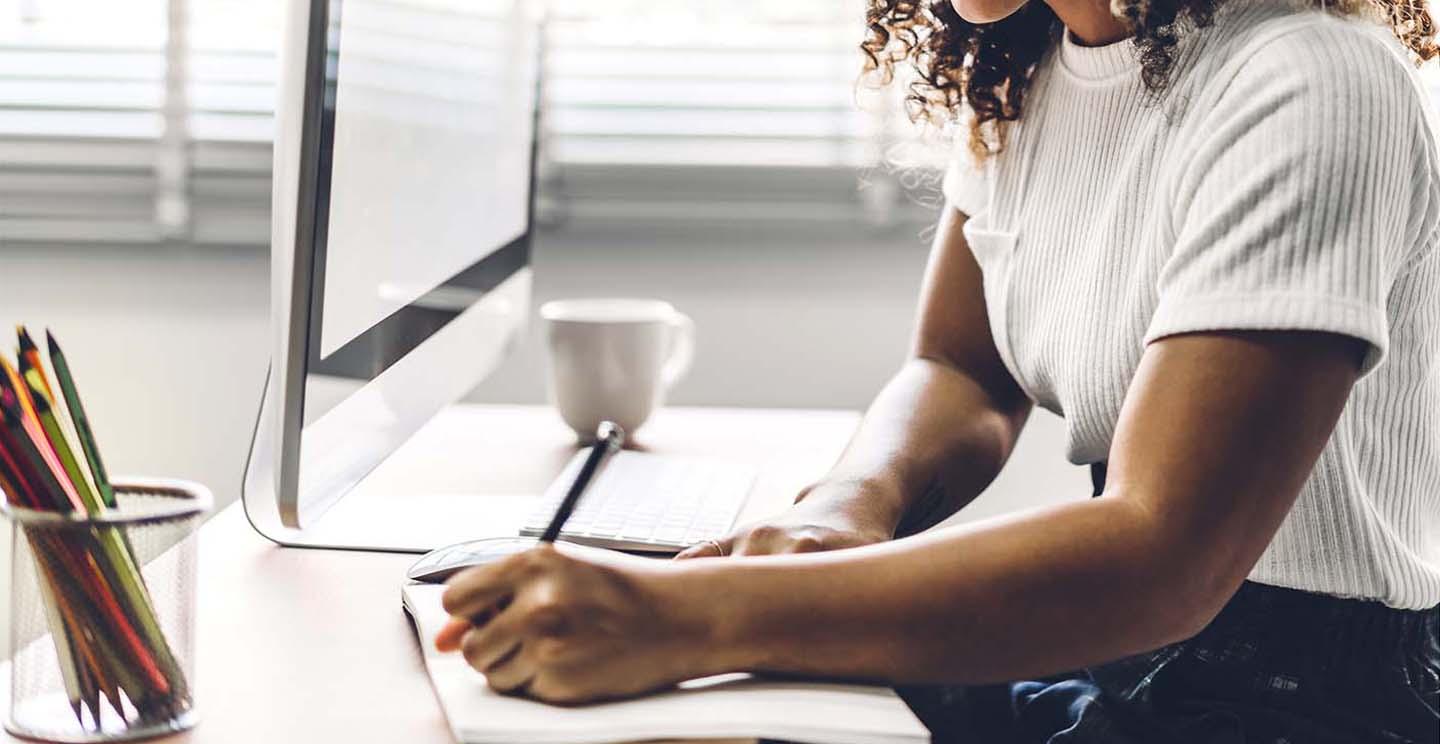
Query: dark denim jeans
(1277, 666)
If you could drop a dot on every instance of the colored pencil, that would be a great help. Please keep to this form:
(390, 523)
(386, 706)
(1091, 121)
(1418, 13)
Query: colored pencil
(50, 425)
(89, 688)
(101, 602)
(83, 431)
(16, 489)
(64, 647)
(30, 357)
(46, 378)
(28, 420)
(102, 647)
(30, 459)
(12, 377)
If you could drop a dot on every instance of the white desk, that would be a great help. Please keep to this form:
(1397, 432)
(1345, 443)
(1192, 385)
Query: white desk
(311, 645)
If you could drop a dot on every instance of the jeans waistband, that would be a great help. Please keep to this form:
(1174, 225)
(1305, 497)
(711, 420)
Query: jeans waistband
(1356, 628)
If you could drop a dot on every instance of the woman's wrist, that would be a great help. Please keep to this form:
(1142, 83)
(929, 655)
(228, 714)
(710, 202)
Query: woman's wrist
(699, 598)
(714, 606)
(874, 501)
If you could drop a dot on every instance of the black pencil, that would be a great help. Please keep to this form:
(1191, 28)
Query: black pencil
(608, 438)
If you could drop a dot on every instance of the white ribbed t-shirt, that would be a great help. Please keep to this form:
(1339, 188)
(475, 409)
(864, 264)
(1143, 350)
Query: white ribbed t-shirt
(1286, 179)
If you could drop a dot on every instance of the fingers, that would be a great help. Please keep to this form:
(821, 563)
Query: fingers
(511, 673)
(486, 647)
(759, 539)
(523, 672)
(487, 640)
(766, 539)
(475, 590)
(480, 588)
(511, 651)
(449, 637)
(708, 549)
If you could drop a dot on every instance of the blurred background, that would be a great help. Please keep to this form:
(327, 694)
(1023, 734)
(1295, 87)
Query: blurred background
(708, 152)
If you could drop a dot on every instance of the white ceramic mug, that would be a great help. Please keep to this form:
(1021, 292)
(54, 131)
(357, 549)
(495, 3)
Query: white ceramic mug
(614, 359)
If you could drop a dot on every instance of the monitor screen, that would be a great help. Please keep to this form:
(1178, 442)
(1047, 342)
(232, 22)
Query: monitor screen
(407, 138)
(429, 154)
(424, 190)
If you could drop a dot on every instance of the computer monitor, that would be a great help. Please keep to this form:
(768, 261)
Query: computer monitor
(401, 229)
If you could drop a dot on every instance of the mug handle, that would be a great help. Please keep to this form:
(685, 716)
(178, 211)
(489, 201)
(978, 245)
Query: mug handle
(682, 349)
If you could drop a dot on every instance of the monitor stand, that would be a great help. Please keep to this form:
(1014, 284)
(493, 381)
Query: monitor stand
(470, 472)
(476, 471)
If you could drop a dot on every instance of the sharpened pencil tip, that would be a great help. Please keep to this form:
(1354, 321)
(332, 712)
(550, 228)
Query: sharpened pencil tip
(38, 397)
(50, 342)
(26, 343)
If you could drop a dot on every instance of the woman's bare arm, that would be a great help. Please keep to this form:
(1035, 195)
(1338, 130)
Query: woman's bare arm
(952, 413)
(1217, 436)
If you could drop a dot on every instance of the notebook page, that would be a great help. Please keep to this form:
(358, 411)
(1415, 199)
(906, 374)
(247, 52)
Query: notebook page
(730, 706)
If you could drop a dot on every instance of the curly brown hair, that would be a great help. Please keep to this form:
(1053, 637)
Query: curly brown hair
(989, 65)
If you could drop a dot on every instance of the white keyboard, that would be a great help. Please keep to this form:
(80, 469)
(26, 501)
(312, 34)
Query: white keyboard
(647, 502)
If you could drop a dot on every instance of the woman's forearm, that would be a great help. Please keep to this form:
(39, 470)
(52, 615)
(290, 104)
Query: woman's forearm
(931, 422)
(1219, 435)
(1037, 594)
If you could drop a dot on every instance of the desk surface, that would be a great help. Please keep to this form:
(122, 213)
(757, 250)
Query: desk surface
(311, 645)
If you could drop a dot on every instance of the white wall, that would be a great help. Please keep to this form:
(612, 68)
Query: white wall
(167, 345)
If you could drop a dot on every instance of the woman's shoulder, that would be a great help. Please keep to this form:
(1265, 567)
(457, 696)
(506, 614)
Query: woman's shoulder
(1310, 51)
(1330, 104)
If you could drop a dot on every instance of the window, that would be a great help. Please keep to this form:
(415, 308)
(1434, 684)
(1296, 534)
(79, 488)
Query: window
(151, 120)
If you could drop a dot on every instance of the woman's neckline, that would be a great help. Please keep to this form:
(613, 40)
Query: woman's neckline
(1097, 63)
(1118, 60)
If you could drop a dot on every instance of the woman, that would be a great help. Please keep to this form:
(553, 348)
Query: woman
(1205, 232)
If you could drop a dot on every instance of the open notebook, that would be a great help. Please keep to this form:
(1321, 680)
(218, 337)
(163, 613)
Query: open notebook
(729, 707)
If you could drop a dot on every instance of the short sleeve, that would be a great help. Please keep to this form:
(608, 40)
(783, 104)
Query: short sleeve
(966, 185)
(1305, 192)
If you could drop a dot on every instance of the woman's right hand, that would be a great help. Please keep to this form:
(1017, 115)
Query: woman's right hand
(828, 515)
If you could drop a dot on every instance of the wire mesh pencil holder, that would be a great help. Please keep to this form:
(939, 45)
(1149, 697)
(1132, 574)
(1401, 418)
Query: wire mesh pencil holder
(102, 616)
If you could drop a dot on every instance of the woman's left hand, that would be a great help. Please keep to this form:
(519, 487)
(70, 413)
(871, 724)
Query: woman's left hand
(571, 625)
